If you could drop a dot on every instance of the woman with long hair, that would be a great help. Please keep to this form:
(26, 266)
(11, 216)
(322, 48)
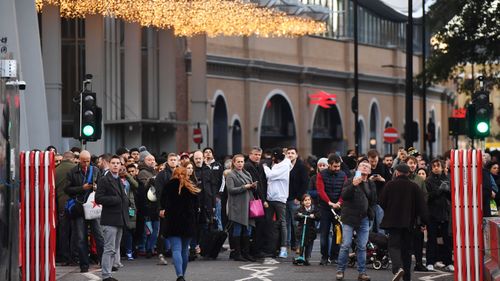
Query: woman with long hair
(180, 201)
(239, 187)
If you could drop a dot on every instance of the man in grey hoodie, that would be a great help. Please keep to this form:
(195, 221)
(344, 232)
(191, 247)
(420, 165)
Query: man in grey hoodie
(278, 179)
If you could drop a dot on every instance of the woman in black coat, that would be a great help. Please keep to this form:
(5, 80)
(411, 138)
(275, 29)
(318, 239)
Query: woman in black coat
(179, 201)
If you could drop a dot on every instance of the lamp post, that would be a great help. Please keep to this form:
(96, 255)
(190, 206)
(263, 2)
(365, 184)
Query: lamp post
(355, 104)
(424, 82)
(409, 77)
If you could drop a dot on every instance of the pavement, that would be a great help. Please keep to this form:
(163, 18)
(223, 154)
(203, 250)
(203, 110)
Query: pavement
(223, 269)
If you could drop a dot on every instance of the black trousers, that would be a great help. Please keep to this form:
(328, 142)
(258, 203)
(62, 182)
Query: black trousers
(418, 245)
(400, 246)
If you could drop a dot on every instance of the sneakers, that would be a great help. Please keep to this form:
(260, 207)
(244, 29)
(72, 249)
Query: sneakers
(420, 267)
(398, 275)
(430, 267)
(450, 268)
(363, 277)
(162, 260)
(130, 257)
(340, 275)
(283, 253)
(439, 265)
(324, 262)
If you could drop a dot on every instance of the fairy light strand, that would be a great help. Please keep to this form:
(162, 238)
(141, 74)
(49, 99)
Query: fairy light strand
(193, 17)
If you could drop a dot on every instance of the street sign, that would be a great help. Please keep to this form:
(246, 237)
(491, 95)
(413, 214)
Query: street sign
(323, 99)
(197, 136)
(391, 135)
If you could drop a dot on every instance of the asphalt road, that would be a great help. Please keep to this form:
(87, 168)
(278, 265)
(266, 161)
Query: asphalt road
(227, 270)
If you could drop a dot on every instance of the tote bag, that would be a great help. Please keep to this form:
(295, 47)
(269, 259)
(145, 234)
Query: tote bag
(256, 209)
(91, 209)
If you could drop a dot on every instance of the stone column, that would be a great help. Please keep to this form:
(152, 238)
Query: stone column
(198, 89)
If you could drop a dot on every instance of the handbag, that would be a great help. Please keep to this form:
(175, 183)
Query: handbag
(73, 208)
(256, 209)
(91, 209)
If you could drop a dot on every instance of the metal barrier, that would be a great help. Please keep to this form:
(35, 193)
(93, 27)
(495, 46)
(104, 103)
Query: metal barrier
(37, 223)
(467, 214)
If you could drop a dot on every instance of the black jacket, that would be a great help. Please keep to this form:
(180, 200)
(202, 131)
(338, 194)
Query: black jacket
(403, 202)
(299, 181)
(76, 178)
(382, 170)
(180, 210)
(111, 195)
(311, 224)
(439, 197)
(358, 202)
(258, 174)
(161, 181)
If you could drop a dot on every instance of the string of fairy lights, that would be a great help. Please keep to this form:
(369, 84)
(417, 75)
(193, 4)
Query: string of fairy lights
(193, 17)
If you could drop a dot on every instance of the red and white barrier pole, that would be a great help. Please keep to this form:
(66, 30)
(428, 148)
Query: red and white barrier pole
(466, 190)
(37, 217)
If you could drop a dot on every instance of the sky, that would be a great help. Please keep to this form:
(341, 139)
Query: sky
(402, 6)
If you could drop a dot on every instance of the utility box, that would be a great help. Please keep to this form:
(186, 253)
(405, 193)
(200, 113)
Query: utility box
(8, 69)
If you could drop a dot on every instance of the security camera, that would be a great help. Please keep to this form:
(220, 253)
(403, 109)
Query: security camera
(21, 85)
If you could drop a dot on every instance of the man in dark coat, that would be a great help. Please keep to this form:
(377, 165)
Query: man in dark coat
(114, 217)
(403, 203)
(215, 173)
(379, 175)
(66, 242)
(82, 180)
(261, 234)
(439, 204)
(299, 181)
(358, 199)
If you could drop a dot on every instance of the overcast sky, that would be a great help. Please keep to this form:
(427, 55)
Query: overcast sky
(402, 6)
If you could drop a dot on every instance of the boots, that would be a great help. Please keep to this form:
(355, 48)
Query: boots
(245, 249)
(237, 249)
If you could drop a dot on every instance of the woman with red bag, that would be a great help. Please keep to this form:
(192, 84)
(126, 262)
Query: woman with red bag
(240, 190)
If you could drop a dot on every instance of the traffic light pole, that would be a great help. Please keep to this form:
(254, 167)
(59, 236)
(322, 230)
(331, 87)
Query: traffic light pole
(355, 106)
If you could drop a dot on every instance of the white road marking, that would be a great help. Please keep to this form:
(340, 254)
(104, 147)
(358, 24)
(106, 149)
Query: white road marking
(270, 261)
(260, 272)
(91, 276)
(432, 277)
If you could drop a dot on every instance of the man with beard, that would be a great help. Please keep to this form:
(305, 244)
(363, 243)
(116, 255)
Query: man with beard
(215, 174)
(329, 183)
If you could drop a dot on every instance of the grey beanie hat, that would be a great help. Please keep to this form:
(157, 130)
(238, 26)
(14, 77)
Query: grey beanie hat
(143, 155)
(323, 161)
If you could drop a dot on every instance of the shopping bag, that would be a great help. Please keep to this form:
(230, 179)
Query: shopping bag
(256, 209)
(91, 209)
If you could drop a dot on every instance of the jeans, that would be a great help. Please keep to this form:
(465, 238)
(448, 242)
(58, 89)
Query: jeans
(379, 215)
(128, 237)
(67, 240)
(180, 253)
(112, 238)
(291, 223)
(361, 240)
(241, 230)
(326, 222)
(150, 235)
(218, 213)
(80, 226)
(279, 209)
(400, 241)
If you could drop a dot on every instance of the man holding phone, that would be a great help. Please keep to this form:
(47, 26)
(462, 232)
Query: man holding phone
(379, 175)
(358, 199)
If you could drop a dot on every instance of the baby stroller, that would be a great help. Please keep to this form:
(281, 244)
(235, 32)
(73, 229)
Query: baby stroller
(377, 251)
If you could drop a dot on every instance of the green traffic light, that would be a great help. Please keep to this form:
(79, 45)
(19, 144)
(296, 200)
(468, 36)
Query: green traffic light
(88, 130)
(482, 127)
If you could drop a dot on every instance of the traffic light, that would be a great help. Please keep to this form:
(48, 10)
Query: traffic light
(431, 131)
(479, 119)
(411, 132)
(90, 117)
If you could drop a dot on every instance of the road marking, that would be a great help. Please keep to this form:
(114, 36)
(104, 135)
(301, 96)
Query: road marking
(270, 261)
(91, 276)
(432, 277)
(260, 272)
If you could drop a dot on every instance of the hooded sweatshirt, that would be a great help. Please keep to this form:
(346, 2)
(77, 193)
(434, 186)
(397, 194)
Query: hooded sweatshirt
(278, 179)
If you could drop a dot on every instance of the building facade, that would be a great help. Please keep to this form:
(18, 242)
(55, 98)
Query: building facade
(241, 92)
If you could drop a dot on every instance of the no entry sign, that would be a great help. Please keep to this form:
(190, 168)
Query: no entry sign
(197, 136)
(391, 135)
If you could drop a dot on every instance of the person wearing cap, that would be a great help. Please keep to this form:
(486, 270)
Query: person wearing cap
(215, 174)
(278, 178)
(359, 196)
(184, 159)
(404, 205)
(329, 184)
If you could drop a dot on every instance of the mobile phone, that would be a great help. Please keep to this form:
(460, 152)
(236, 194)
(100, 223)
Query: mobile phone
(357, 174)
(376, 175)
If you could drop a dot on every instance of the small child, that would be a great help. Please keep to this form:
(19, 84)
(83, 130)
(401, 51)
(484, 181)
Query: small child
(312, 213)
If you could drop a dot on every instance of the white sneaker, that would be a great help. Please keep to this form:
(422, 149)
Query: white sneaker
(450, 268)
(283, 253)
(398, 275)
(439, 265)
(430, 267)
(162, 260)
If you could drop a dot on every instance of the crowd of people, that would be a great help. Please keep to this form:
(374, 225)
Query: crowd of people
(166, 205)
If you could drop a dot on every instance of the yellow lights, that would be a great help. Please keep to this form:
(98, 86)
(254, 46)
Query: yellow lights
(192, 17)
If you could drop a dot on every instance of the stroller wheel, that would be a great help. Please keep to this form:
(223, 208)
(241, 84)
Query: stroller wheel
(377, 264)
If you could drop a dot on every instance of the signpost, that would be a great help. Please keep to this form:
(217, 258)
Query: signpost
(197, 136)
(391, 135)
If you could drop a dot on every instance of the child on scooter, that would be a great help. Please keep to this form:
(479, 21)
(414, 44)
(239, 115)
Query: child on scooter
(308, 236)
